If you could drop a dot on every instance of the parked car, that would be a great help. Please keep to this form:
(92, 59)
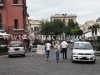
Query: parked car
(83, 51)
(70, 41)
(16, 48)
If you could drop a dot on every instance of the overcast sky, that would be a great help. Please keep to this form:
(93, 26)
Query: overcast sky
(84, 9)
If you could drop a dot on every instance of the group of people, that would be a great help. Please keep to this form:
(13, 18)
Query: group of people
(58, 47)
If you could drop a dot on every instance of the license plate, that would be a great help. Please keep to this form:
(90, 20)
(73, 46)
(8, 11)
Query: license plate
(16, 49)
(84, 57)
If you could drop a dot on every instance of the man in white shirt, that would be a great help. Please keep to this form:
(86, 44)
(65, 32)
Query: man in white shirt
(64, 46)
(47, 50)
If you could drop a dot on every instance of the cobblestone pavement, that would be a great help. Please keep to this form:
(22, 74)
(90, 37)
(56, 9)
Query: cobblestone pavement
(35, 64)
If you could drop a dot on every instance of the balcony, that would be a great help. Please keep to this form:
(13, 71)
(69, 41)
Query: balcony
(1, 3)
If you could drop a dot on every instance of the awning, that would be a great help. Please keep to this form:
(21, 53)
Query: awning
(4, 34)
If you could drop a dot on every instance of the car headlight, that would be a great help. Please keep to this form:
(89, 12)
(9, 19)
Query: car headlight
(92, 54)
(75, 53)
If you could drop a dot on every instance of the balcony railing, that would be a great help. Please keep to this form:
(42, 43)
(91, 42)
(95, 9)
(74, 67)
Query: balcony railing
(1, 3)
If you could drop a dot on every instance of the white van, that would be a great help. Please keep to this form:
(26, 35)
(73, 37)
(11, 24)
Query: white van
(83, 51)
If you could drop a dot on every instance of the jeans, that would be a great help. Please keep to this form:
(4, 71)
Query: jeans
(57, 56)
(47, 54)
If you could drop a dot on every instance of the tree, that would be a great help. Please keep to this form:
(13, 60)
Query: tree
(96, 26)
(72, 24)
(94, 29)
(45, 28)
(55, 28)
(78, 32)
(58, 27)
(74, 29)
(68, 31)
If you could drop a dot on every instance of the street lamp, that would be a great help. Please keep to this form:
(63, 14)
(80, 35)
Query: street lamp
(64, 18)
(64, 21)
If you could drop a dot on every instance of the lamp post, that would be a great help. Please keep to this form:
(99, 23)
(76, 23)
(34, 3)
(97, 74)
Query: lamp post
(64, 21)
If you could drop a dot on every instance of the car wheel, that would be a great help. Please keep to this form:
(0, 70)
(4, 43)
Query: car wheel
(73, 61)
(9, 56)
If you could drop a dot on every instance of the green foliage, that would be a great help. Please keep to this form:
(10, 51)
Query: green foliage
(96, 45)
(45, 27)
(55, 27)
(78, 32)
(71, 24)
(98, 39)
(68, 31)
(58, 27)
(73, 29)
(94, 29)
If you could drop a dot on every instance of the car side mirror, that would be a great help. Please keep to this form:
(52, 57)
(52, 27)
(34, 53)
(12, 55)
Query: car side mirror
(71, 48)
(94, 49)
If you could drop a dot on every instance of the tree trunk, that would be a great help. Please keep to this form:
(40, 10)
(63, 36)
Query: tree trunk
(93, 34)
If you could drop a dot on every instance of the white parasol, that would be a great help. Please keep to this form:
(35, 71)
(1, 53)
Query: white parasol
(4, 34)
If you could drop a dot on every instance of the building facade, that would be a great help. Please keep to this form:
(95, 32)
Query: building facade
(35, 27)
(88, 33)
(86, 25)
(13, 17)
(64, 18)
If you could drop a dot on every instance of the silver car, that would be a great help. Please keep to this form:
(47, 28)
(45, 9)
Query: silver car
(16, 48)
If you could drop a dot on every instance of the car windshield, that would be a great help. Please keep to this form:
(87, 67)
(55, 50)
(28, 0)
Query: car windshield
(16, 44)
(82, 46)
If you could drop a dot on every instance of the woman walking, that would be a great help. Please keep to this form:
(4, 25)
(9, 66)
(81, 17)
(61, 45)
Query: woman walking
(57, 49)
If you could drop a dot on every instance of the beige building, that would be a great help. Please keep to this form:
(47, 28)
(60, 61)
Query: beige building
(64, 18)
(86, 25)
(98, 21)
(86, 31)
(29, 27)
(35, 25)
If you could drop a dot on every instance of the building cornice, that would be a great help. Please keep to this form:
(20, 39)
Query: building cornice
(17, 4)
(18, 29)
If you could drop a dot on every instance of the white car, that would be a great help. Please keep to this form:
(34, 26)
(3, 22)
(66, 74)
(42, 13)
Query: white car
(83, 51)
(16, 48)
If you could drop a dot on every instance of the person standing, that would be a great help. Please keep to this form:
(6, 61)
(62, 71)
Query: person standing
(30, 47)
(64, 46)
(47, 49)
(57, 49)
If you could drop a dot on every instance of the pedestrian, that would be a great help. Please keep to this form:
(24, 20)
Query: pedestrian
(64, 46)
(47, 49)
(57, 49)
(28, 44)
(30, 47)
